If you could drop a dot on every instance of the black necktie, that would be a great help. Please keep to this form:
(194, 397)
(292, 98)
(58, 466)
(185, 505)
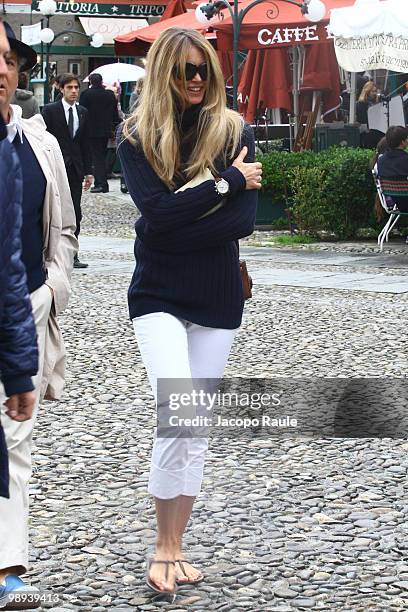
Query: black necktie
(71, 122)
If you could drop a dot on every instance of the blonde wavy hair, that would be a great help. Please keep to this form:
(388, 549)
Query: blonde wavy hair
(368, 88)
(154, 122)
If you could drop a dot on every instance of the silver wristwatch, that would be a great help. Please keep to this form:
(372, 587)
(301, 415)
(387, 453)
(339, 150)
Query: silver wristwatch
(221, 186)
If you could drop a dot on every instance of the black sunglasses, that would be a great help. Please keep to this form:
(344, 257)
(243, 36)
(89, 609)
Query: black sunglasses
(192, 69)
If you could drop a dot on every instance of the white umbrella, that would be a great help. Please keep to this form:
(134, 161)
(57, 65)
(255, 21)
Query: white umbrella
(118, 72)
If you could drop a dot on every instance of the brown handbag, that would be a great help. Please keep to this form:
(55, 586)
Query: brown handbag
(246, 279)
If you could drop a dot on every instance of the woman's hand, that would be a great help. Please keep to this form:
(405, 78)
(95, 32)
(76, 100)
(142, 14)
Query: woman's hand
(252, 171)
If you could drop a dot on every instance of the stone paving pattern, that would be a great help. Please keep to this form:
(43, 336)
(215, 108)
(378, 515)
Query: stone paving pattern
(281, 524)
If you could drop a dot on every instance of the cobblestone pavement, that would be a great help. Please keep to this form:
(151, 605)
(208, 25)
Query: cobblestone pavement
(281, 524)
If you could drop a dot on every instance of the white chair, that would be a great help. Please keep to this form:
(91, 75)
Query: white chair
(393, 195)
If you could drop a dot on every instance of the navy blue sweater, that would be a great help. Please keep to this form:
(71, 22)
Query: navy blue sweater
(34, 185)
(186, 266)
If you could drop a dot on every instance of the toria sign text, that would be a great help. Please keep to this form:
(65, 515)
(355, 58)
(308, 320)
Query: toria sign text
(95, 8)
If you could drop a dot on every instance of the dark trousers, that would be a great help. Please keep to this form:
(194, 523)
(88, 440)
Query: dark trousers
(98, 151)
(110, 160)
(75, 185)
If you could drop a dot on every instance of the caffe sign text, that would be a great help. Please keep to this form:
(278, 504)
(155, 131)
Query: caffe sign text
(280, 36)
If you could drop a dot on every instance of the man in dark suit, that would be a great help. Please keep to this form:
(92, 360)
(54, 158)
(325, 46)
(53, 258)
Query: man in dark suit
(69, 123)
(103, 119)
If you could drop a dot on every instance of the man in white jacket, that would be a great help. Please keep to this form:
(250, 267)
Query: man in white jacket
(48, 249)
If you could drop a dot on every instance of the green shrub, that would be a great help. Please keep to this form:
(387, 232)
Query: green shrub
(310, 186)
(332, 191)
(277, 166)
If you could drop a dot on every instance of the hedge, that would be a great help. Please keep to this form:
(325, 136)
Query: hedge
(331, 191)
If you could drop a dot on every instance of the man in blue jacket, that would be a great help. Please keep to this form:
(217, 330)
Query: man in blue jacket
(394, 162)
(18, 341)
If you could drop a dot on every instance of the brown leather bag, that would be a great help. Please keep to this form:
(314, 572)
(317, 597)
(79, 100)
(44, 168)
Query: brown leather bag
(246, 279)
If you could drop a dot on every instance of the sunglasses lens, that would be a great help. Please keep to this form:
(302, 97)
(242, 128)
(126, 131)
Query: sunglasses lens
(203, 71)
(191, 71)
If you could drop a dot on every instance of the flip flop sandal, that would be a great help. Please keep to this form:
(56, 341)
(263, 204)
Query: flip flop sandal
(188, 581)
(150, 582)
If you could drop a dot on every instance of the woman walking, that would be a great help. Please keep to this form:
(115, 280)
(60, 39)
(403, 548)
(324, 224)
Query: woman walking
(186, 297)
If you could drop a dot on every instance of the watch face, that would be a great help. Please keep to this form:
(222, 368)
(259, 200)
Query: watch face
(222, 186)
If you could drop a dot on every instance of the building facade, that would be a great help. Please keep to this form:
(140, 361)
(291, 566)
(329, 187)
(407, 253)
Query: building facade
(70, 51)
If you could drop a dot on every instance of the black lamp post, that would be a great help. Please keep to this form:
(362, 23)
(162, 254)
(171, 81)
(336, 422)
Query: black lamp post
(237, 15)
(47, 57)
(48, 8)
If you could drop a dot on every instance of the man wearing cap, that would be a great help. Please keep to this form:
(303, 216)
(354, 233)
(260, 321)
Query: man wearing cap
(48, 249)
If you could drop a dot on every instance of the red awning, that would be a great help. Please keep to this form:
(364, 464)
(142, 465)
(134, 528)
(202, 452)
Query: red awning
(275, 24)
(139, 41)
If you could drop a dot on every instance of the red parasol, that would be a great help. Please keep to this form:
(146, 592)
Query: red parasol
(322, 74)
(265, 82)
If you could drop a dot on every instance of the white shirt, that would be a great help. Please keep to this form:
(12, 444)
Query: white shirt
(75, 113)
(14, 126)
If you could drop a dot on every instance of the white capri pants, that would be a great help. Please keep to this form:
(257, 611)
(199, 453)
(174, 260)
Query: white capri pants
(176, 348)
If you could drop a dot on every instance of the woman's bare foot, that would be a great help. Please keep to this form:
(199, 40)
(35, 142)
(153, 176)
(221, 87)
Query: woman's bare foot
(163, 575)
(185, 572)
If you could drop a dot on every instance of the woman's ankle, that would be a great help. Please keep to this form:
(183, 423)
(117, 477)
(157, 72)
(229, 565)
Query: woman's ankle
(166, 546)
(178, 549)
